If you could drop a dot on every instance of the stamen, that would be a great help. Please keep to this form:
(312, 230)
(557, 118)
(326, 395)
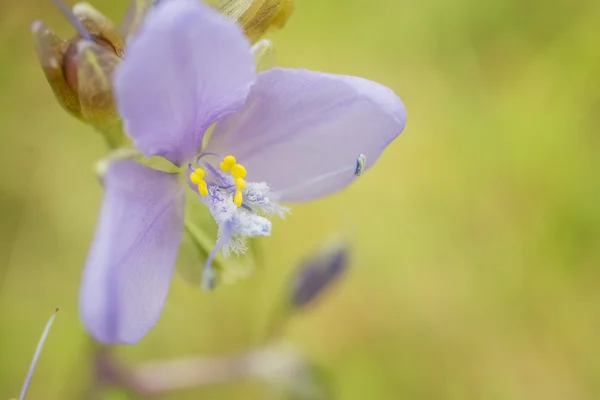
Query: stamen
(216, 176)
(72, 19)
(238, 171)
(197, 178)
(201, 156)
(240, 183)
(203, 188)
(228, 163)
(238, 198)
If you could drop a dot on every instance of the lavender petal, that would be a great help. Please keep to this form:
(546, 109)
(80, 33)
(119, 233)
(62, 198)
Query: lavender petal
(302, 131)
(185, 68)
(131, 262)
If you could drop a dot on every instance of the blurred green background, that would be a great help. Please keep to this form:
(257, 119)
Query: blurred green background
(476, 238)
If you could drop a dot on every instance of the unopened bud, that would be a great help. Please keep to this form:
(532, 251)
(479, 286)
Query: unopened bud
(79, 70)
(316, 274)
(257, 17)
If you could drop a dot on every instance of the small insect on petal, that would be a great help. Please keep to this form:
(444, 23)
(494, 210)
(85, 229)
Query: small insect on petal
(256, 17)
(361, 163)
(36, 356)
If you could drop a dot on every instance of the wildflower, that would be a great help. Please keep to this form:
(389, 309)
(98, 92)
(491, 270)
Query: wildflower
(281, 135)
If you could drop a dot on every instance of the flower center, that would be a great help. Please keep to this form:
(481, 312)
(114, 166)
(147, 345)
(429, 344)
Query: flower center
(228, 165)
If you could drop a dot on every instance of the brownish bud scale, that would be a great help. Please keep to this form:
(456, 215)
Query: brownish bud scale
(93, 66)
(100, 28)
(80, 70)
(257, 17)
(51, 52)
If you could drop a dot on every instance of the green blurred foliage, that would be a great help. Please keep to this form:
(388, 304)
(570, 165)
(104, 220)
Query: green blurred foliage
(476, 267)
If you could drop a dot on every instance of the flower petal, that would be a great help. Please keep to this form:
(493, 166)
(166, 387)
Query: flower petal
(131, 262)
(185, 68)
(302, 131)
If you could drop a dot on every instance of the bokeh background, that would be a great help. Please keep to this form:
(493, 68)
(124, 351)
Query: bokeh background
(476, 238)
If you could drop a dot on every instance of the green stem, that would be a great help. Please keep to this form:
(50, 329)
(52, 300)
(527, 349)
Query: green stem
(114, 136)
(203, 241)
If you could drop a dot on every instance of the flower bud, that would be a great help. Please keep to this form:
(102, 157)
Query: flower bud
(79, 70)
(256, 17)
(317, 273)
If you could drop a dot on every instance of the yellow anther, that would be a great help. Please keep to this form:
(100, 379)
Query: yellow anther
(200, 172)
(227, 163)
(197, 176)
(240, 183)
(237, 199)
(202, 188)
(238, 171)
(194, 178)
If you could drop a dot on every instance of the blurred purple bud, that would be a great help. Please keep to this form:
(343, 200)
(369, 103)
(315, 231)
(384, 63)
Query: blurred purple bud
(317, 273)
(36, 356)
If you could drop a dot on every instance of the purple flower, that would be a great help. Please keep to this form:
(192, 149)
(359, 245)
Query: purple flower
(282, 135)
